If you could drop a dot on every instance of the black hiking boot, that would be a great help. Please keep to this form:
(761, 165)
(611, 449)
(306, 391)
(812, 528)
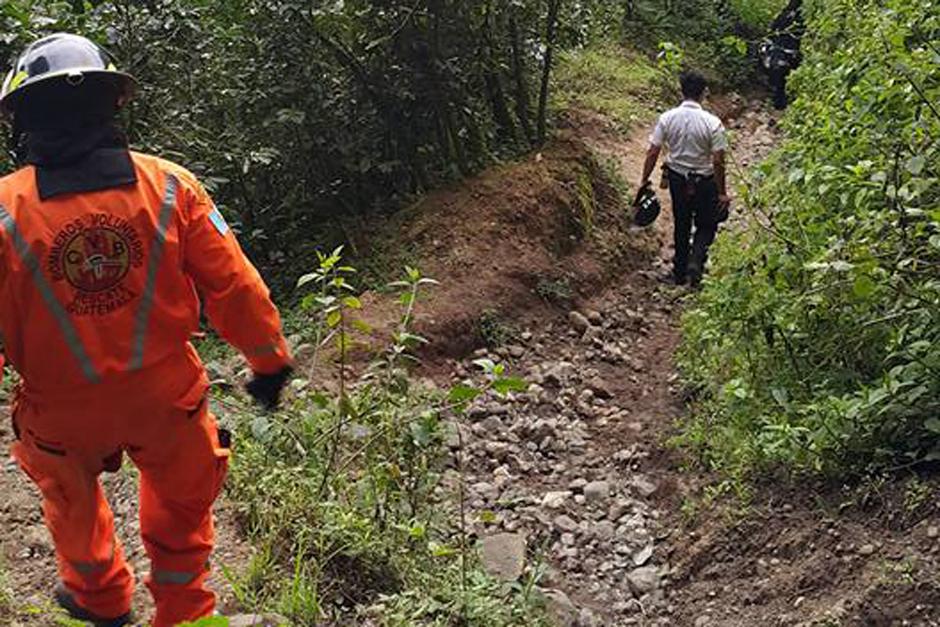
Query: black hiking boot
(67, 602)
(673, 278)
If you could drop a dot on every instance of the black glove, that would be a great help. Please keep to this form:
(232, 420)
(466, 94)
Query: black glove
(266, 388)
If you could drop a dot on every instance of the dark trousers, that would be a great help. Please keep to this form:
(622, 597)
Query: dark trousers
(694, 201)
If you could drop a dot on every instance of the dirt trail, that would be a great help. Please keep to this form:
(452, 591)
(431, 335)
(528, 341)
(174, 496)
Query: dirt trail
(577, 466)
(579, 469)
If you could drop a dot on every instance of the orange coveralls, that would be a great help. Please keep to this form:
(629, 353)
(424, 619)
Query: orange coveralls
(98, 299)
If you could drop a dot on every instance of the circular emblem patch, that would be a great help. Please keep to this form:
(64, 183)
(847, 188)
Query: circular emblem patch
(96, 259)
(94, 255)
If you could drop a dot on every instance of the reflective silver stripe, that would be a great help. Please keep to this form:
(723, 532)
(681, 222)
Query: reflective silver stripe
(173, 577)
(45, 290)
(92, 568)
(142, 318)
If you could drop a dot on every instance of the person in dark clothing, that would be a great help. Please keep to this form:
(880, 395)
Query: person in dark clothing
(695, 166)
(780, 54)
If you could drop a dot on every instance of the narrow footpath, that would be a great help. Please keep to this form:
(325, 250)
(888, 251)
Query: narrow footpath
(576, 470)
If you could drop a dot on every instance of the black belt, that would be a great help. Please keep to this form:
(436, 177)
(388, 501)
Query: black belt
(692, 177)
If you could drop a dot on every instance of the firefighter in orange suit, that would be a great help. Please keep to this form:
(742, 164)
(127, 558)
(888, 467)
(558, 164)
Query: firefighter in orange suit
(102, 254)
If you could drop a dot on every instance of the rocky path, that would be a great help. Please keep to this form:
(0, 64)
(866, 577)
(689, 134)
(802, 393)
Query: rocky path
(575, 473)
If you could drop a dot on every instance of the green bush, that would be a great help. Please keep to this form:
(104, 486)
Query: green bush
(304, 116)
(341, 491)
(816, 342)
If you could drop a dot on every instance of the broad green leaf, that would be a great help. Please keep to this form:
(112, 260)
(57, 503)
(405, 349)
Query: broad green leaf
(915, 164)
(306, 279)
(509, 384)
(462, 393)
(486, 365)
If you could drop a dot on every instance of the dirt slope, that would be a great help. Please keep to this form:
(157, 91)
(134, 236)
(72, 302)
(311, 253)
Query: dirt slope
(505, 243)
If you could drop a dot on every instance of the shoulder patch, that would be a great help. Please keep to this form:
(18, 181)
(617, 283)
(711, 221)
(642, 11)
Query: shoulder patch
(218, 221)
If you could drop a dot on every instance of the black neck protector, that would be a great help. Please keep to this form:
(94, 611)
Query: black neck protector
(79, 160)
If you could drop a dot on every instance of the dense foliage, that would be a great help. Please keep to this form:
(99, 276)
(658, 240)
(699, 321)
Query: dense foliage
(816, 343)
(299, 113)
(306, 117)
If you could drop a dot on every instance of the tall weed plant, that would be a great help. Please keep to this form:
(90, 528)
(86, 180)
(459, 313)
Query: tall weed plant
(341, 490)
(815, 345)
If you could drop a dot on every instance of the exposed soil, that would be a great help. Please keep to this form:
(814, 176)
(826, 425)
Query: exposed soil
(505, 243)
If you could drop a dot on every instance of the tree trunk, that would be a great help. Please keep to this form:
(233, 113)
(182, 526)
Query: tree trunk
(494, 85)
(519, 73)
(551, 31)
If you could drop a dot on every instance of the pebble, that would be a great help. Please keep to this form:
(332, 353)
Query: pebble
(555, 500)
(578, 321)
(596, 491)
(565, 523)
(643, 580)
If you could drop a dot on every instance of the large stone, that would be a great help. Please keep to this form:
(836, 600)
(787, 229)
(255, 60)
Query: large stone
(643, 555)
(504, 555)
(596, 491)
(561, 610)
(643, 580)
(555, 500)
(578, 321)
(643, 486)
(257, 620)
(565, 523)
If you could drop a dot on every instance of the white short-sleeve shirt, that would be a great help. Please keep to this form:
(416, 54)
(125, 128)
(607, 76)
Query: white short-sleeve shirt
(691, 135)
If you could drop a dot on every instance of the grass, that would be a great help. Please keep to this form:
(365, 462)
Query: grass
(622, 85)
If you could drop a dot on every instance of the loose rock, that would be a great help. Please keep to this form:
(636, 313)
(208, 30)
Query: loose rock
(596, 491)
(643, 580)
(555, 500)
(561, 610)
(504, 555)
(578, 321)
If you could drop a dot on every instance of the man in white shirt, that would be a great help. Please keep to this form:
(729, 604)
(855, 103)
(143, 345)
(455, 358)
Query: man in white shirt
(695, 166)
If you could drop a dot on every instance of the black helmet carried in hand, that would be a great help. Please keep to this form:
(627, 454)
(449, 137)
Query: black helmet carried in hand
(64, 76)
(646, 206)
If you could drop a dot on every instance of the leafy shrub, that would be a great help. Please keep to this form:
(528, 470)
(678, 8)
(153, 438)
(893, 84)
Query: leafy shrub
(341, 490)
(816, 343)
(300, 116)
